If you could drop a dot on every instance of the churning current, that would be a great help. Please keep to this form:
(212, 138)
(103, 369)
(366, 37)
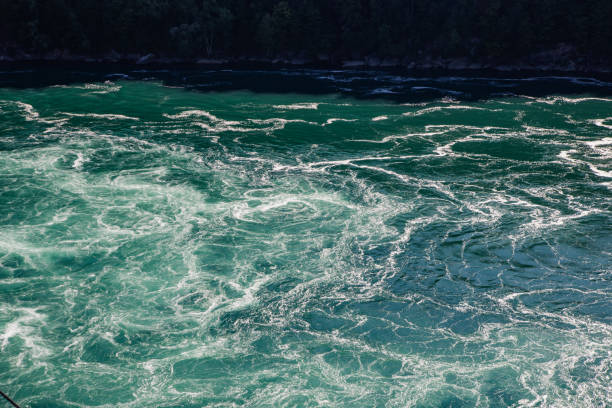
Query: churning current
(355, 239)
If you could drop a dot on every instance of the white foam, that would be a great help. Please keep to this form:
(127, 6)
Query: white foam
(544, 131)
(192, 113)
(378, 118)
(419, 104)
(602, 122)
(565, 155)
(109, 116)
(101, 89)
(277, 123)
(603, 142)
(218, 125)
(551, 100)
(96, 88)
(451, 107)
(297, 106)
(78, 163)
(605, 154)
(332, 120)
(445, 150)
(391, 138)
(25, 327)
(600, 172)
(243, 212)
(449, 99)
(30, 113)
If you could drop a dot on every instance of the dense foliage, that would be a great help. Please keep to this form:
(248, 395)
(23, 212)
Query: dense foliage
(307, 28)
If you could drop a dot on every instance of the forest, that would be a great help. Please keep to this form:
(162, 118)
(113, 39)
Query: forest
(308, 28)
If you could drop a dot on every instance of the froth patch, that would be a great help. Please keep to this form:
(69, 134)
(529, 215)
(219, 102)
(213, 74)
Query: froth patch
(78, 162)
(432, 109)
(214, 124)
(600, 172)
(551, 100)
(602, 122)
(107, 116)
(568, 155)
(106, 87)
(285, 202)
(24, 327)
(603, 142)
(95, 88)
(332, 120)
(192, 113)
(600, 153)
(297, 106)
(28, 112)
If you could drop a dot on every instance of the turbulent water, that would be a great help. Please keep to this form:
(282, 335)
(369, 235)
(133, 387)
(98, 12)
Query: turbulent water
(365, 240)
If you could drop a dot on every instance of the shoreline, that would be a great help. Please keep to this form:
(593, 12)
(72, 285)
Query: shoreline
(566, 66)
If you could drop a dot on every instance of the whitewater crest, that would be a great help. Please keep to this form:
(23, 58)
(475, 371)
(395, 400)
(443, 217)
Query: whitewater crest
(215, 124)
(104, 88)
(109, 116)
(605, 123)
(299, 106)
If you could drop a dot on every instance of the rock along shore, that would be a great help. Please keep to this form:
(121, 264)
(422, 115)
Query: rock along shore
(556, 60)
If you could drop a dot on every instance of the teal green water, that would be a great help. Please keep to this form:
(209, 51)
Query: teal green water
(162, 247)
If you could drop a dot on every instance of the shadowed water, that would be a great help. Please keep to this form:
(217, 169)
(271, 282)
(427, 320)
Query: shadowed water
(161, 247)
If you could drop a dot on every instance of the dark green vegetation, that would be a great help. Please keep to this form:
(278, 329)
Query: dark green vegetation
(339, 29)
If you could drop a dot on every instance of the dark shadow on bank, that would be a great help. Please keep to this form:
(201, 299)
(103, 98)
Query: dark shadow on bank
(400, 86)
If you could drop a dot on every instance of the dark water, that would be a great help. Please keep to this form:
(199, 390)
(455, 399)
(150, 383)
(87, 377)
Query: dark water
(345, 239)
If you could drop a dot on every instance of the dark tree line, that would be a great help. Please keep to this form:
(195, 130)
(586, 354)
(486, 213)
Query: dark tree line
(308, 28)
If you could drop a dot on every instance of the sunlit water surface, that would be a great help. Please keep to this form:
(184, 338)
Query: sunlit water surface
(166, 247)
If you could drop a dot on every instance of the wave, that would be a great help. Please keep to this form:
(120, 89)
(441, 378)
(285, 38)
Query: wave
(425, 111)
(218, 125)
(551, 100)
(602, 122)
(107, 87)
(108, 116)
(26, 327)
(192, 113)
(603, 142)
(567, 155)
(333, 120)
(298, 106)
(29, 113)
(96, 88)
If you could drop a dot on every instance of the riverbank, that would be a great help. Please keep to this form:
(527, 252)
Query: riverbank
(561, 59)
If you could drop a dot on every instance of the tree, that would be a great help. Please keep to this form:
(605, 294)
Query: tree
(215, 25)
(339, 28)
